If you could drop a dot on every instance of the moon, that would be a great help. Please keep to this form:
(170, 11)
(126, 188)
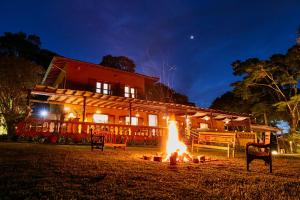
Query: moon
(192, 37)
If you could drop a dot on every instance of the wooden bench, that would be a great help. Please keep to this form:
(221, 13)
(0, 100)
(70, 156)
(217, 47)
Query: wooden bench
(114, 145)
(264, 154)
(115, 141)
(222, 141)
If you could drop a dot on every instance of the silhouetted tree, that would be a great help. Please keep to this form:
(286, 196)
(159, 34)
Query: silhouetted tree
(118, 62)
(161, 92)
(25, 46)
(277, 76)
(17, 75)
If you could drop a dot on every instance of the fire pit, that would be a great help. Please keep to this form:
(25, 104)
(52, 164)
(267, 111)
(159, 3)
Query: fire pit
(176, 151)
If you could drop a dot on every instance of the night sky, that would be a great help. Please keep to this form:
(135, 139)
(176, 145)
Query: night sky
(188, 44)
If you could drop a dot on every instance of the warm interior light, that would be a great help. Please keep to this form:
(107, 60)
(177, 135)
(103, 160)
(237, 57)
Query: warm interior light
(100, 118)
(274, 152)
(137, 114)
(71, 115)
(98, 111)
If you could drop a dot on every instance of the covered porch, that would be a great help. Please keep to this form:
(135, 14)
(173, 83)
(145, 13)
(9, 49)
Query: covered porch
(75, 113)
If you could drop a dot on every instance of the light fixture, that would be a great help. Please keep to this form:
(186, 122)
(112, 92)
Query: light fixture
(44, 113)
(206, 118)
(66, 109)
(71, 115)
(137, 114)
(274, 152)
(98, 111)
(226, 120)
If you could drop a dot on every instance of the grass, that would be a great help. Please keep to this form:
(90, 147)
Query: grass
(39, 171)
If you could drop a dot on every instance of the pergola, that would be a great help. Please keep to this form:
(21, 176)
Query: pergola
(90, 99)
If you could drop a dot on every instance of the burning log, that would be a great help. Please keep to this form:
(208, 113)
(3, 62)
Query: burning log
(195, 160)
(157, 158)
(147, 157)
(202, 158)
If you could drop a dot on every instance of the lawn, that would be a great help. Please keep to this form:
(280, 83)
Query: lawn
(39, 171)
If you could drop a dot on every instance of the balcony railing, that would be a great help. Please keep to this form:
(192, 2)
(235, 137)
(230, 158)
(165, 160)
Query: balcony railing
(114, 133)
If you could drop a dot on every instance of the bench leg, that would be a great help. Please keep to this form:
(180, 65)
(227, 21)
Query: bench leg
(228, 151)
(270, 164)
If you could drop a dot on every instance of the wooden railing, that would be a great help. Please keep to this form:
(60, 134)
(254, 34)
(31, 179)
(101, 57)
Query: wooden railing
(114, 133)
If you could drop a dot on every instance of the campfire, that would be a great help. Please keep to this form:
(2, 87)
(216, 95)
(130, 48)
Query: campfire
(176, 150)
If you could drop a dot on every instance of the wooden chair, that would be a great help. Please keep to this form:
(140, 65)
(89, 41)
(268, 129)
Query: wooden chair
(97, 141)
(264, 154)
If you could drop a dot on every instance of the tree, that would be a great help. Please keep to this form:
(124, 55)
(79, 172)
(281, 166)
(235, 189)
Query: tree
(25, 46)
(260, 107)
(277, 77)
(161, 92)
(118, 62)
(17, 75)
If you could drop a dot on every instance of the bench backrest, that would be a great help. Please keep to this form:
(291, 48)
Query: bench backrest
(217, 138)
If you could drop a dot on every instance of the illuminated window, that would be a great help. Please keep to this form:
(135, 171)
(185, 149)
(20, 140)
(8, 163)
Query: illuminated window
(103, 88)
(100, 118)
(134, 121)
(203, 126)
(152, 120)
(129, 92)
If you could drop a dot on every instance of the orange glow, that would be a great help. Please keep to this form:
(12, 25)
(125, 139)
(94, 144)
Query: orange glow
(173, 143)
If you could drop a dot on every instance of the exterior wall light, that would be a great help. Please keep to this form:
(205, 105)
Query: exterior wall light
(44, 113)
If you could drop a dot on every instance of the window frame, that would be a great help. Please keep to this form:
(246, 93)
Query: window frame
(127, 120)
(100, 114)
(100, 88)
(129, 93)
(156, 120)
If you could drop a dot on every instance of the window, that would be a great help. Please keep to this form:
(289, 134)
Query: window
(203, 126)
(129, 92)
(103, 88)
(152, 120)
(100, 118)
(98, 87)
(134, 121)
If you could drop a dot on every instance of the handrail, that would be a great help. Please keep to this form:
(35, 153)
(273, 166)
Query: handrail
(80, 130)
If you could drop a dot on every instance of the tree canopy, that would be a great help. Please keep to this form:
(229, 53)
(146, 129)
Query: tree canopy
(161, 92)
(25, 46)
(118, 62)
(17, 75)
(267, 86)
(22, 64)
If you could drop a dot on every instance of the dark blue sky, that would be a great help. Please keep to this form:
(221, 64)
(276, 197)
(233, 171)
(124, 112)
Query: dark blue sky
(156, 35)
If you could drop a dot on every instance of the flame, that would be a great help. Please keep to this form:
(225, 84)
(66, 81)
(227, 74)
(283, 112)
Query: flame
(173, 143)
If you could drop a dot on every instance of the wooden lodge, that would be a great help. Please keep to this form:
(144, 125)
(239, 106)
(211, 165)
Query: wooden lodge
(81, 96)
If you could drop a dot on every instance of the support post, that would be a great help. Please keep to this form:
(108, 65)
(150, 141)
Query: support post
(129, 113)
(211, 120)
(84, 107)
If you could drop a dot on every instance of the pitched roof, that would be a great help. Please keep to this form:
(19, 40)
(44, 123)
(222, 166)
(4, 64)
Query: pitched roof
(58, 63)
